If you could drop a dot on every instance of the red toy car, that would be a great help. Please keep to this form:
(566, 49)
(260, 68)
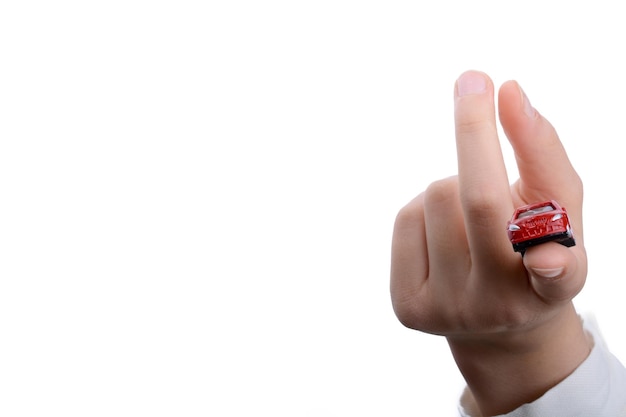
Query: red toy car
(538, 223)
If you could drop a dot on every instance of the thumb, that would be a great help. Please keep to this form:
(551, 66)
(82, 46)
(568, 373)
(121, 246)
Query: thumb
(556, 273)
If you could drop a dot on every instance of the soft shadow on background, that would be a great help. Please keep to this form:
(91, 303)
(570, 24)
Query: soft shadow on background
(197, 198)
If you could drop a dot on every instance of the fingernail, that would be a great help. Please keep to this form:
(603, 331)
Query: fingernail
(528, 108)
(548, 273)
(471, 82)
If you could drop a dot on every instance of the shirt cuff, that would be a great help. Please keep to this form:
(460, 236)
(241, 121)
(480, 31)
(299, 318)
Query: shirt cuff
(597, 387)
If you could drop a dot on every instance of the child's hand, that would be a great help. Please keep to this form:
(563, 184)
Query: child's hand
(509, 320)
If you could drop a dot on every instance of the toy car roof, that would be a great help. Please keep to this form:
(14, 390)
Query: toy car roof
(534, 206)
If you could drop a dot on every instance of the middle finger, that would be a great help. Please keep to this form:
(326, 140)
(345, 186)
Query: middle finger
(484, 186)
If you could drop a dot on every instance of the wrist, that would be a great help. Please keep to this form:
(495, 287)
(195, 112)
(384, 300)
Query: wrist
(506, 370)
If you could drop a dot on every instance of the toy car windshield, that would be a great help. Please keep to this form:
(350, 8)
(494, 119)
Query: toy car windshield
(532, 212)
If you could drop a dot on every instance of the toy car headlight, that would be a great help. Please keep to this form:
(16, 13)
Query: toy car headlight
(557, 217)
(513, 227)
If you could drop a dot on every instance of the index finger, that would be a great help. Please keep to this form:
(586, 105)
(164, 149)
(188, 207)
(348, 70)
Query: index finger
(484, 185)
(544, 167)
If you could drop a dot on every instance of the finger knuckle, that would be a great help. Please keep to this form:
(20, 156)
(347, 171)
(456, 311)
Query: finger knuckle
(405, 317)
(441, 192)
(481, 203)
(471, 125)
(411, 213)
(409, 313)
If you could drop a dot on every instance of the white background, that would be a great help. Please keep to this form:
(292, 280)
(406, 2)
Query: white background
(197, 198)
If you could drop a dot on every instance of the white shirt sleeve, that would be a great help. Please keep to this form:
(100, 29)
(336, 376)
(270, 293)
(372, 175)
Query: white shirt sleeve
(596, 388)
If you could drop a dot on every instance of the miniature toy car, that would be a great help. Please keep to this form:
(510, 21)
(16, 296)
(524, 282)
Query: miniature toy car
(539, 223)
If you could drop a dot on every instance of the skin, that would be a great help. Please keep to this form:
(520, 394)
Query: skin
(509, 320)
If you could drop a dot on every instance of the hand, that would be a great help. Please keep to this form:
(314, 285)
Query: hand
(510, 321)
